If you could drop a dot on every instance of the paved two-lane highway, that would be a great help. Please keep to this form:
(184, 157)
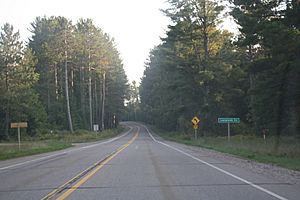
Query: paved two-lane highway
(135, 165)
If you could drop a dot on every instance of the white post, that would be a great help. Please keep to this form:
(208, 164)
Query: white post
(19, 138)
(228, 132)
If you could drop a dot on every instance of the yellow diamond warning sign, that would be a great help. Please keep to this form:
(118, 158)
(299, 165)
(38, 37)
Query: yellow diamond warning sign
(195, 120)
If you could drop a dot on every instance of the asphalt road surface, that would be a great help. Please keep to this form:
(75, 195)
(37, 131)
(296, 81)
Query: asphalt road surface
(134, 165)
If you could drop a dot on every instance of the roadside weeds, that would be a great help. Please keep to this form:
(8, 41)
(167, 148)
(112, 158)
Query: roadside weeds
(53, 142)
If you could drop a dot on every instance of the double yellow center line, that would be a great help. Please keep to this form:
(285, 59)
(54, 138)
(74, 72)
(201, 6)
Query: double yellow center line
(87, 173)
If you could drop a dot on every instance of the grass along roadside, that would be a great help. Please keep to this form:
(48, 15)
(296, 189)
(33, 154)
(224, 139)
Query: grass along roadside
(245, 146)
(57, 140)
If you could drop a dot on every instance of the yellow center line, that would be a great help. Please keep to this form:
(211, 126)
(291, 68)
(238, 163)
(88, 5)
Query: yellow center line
(88, 176)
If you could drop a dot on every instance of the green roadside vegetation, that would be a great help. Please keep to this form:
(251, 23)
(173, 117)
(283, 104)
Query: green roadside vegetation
(245, 146)
(47, 141)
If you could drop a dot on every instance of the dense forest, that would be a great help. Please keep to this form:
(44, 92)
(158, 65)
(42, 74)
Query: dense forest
(201, 70)
(70, 76)
(66, 77)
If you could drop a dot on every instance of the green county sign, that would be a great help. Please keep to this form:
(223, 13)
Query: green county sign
(228, 120)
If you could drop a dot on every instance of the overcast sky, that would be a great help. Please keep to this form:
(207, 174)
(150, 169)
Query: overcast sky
(136, 25)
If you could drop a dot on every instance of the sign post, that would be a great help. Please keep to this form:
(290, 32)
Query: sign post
(195, 122)
(195, 130)
(228, 121)
(18, 126)
(228, 132)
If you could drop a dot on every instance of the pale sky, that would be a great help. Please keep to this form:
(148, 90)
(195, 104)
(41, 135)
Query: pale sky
(136, 25)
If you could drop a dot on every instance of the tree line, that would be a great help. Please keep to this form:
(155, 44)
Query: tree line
(202, 70)
(67, 76)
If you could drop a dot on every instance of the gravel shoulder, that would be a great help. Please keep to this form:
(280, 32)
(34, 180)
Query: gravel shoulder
(268, 170)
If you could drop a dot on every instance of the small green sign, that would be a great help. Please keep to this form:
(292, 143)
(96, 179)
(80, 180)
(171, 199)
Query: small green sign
(229, 120)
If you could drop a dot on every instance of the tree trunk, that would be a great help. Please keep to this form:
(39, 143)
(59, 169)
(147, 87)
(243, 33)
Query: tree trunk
(82, 97)
(252, 86)
(281, 108)
(48, 95)
(103, 102)
(56, 81)
(90, 95)
(72, 83)
(99, 111)
(7, 105)
(205, 38)
(96, 102)
(205, 66)
(67, 90)
(7, 121)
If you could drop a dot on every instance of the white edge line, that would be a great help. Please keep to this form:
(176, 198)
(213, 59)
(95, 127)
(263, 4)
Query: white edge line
(219, 169)
(64, 152)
